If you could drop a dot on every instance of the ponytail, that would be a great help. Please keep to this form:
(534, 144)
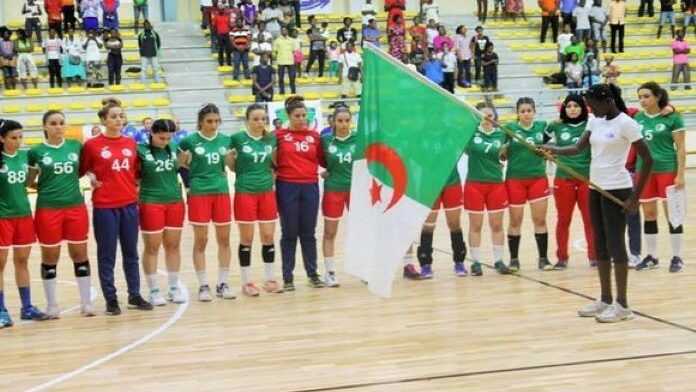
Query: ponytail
(6, 126)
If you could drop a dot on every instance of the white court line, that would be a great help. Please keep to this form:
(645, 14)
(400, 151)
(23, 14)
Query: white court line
(67, 376)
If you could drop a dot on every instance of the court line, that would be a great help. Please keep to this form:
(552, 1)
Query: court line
(162, 328)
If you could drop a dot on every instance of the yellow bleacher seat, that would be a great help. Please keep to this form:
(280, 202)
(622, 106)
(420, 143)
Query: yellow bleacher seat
(77, 106)
(322, 80)
(161, 102)
(12, 93)
(116, 88)
(224, 68)
(240, 113)
(158, 86)
(15, 24)
(136, 87)
(166, 116)
(8, 109)
(35, 108)
(96, 105)
(231, 83)
(56, 91)
(127, 34)
(302, 80)
(236, 99)
(311, 96)
(32, 92)
(32, 141)
(56, 106)
(130, 45)
(76, 90)
(141, 103)
(96, 90)
(34, 122)
(132, 58)
(246, 82)
(279, 97)
(76, 121)
(330, 95)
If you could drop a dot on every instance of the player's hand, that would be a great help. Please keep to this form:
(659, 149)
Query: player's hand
(679, 181)
(631, 204)
(324, 174)
(503, 154)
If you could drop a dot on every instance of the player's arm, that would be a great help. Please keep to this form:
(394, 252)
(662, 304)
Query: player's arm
(231, 160)
(679, 138)
(574, 149)
(643, 151)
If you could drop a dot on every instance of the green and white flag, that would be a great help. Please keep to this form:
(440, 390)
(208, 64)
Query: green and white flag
(411, 134)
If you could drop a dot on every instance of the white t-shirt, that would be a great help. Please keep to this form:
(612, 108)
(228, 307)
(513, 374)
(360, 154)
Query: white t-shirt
(449, 59)
(611, 141)
(53, 48)
(93, 53)
(582, 14)
(564, 41)
(258, 48)
(368, 8)
(348, 60)
(599, 14)
(272, 26)
(431, 33)
(431, 11)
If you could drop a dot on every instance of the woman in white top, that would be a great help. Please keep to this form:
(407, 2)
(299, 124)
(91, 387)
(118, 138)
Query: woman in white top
(610, 133)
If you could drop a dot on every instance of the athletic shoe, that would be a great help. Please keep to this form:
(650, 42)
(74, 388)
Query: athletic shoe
(156, 298)
(330, 279)
(5, 319)
(411, 273)
(426, 271)
(288, 286)
(271, 286)
(593, 263)
(502, 268)
(250, 290)
(561, 265)
(544, 264)
(53, 312)
(315, 282)
(460, 269)
(614, 313)
(476, 269)
(139, 303)
(176, 296)
(112, 308)
(633, 261)
(648, 262)
(593, 309)
(224, 291)
(676, 264)
(32, 313)
(514, 265)
(204, 293)
(87, 310)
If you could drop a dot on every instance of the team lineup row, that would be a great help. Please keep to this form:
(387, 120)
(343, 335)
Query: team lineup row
(137, 188)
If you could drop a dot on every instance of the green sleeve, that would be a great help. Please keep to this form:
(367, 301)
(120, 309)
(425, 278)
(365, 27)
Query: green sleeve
(678, 122)
(32, 159)
(185, 145)
(234, 142)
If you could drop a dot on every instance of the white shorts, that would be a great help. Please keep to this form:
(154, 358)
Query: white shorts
(26, 67)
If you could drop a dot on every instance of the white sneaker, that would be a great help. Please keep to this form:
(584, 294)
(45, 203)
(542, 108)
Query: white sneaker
(53, 312)
(331, 280)
(633, 261)
(224, 291)
(87, 310)
(204, 294)
(614, 314)
(593, 309)
(156, 298)
(176, 296)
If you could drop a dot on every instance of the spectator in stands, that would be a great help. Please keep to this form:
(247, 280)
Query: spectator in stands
(617, 18)
(90, 9)
(431, 10)
(442, 39)
(646, 8)
(92, 46)
(114, 58)
(598, 19)
(431, 31)
(408, 63)
(573, 72)
(590, 71)
(564, 40)
(462, 47)
(577, 47)
(317, 46)
(680, 60)
(418, 29)
(482, 10)
(478, 45)
(419, 52)
(220, 19)
(53, 48)
(346, 33)
(249, 12)
(351, 72)
(272, 16)
(371, 33)
(140, 8)
(32, 18)
(297, 53)
(515, 8)
(397, 41)
(368, 11)
(283, 51)
(260, 45)
(261, 34)
(499, 5)
(567, 8)
(73, 70)
(549, 16)
(433, 69)
(206, 7)
(689, 10)
(53, 12)
(591, 47)
(26, 67)
(393, 8)
(666, 16)
(110, 14)
(334, 59)
(263, 78)
(610, 71)
(69, 21)
(489, 60)
(449, 61)
(149, 44)
(241, 39)
(147, 126)
(325, 31)
(581, 16)
(8, 60)
(288, 11)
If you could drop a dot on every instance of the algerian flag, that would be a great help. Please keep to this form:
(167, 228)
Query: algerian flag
(412, 133)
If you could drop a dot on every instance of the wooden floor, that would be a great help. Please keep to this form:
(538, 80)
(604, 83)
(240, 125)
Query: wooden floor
(491, 333)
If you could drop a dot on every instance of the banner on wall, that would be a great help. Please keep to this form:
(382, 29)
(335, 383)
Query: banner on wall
(316, 6)
(315, 121)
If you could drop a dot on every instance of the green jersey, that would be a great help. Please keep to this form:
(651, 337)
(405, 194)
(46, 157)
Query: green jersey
(254, 162)
(14, 202)
(522, 162)
(484, 156)
(339, 154)
(59, 174)
(159, 181)
(207, 166)
(568, 135)
(657, 131)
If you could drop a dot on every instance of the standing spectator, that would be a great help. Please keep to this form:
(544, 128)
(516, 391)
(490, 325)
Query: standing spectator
(481, 10)
(241, 38)
(368, 11)
(515, 8)
(680, 58)
(564, 40)
(499, 5)
(598, 19)
(261, 32)
(288, 11)
(283, 50)
(689, 10)
(433, 69)
(489, 60)
(110, 14)
(263, 78)
(567, 7)
(92, 46)
(140, 7)
(419, 52)
(53, 48)
(351, 72)
(666, 15)
(249, 12)
(431, 10)
(573, 72)
(272, 16)
(442, 39)
(317, 46)
(610, 71)
(346, 33)
(449, 60)
(26, 68)
(114, 58)
(462, 47)
(334, 59)
(90, 14)
(478, 45)
(32, 18)
(149, 44)
(53, 12)
(8, 60)
(297, 53)
(581, 16)
(220, 19)
(397, 41)
(549, 16)
(617, 18)
(73, 70)
(418, 29)
(206, 7)
(646, 8)
(260, 45)
(371, 33)
(393, 8)
(68, 15)
(431, 32)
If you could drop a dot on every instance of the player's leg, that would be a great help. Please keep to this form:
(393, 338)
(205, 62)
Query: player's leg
(222, 218)
(246, 238)
(288, 197)
(5, 319)
(675, 239)
(129, 224)
(49, 230)
(152, 244)
(538, 195)
(200, 242)
(309, 211)
(333, 205)
(105, 225)
(76, 232)
(650, 231)
(495, 223)
(565, 197)
(475, 227)
(267, 234)
(20, 255)
(424, 252)
(516, 214)
(171, 241)
(454, 223)
(584, 206)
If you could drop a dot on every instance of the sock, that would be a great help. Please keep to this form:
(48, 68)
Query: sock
(268, 272)
(542, 241)
(425, 249)
(675, 238)
(514, 245)
(152, 281)
(458, 246)
(84, 283)
(329, 265)
(202, 278)
(476, 253)
(223, 275)
(173, 279)
(25, 296)
(48, 277)
(498, 252)
(650, 235)
(2, 300)
(245, 273)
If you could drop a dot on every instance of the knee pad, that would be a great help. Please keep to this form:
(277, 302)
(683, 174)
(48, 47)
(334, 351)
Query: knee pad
(676, 230)
(48, 271)
(244, 253)
(268, 253)
(82, 269)
(650, 227)
(458, 246)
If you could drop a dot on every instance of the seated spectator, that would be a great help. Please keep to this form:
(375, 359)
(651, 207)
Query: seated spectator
(489, 61)
(110, 14)
(90, 10)
(131, 131)
(241, 38)
(288, 11)
(433, 69)
(680, 59)
(371, 33)
(407, 62)
(92, 46)
(347, 33)
(73, 70)
(351, 72)
(419, 52)
(590, 71)
(147, 127)
(53, 48)
(8, 60)
(26, 67)
(261, 34)
(114, 59)
(149, 44)
(334, 59)
(140, 7)
(263, 78)
(54, 9)
(610, 71)
(32, 18)
(576, 47)
(564, 40)
(442, 39)
(573, 71)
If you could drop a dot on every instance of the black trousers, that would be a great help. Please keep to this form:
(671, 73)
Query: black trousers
(316, 55)
(292, 73)
(448, 81)
(464, 68)
(31, 26)
(477, 67)
(69, 19)
(114, 62)
(224, 49)
(56, 25)
(646, 6)
(545, 22)
(609, 222)
(54, 75)
(614, 30)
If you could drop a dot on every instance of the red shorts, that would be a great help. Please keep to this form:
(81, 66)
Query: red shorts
(528, 190)
(204, 208)
(656, 187)
(450, 198)
(55, 225)
(334, 203)
(485, 196)
(155, 218)
(17, 232)
(255, 207)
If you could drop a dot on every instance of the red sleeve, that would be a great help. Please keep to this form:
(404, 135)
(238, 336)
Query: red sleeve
(320, 153)
(85, 159)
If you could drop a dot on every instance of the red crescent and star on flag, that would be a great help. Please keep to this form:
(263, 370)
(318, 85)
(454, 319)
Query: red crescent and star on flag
(390, 159)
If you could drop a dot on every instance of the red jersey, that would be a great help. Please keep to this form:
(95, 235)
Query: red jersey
(222, 20)
(299, 155)
(53, 9)
(114, 162)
